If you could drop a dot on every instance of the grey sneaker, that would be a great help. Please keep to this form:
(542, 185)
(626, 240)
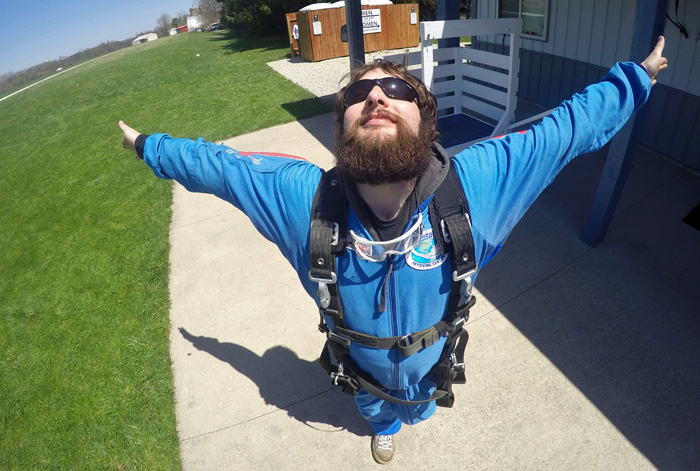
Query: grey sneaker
(383, 448)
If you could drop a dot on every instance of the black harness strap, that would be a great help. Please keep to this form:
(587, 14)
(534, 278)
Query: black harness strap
(407, 345)
(327, 240)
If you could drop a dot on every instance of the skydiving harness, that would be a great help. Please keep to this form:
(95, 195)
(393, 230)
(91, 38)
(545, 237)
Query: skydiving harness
(449, 212)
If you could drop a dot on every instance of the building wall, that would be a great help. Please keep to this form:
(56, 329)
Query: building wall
(683, 53)
(593, 31)
(586, 37)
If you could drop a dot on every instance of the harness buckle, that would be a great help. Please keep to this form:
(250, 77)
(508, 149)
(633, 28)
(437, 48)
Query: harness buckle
(323, 294)
(339, 375)
(455, 365)
(338, 338)
(336, 231)
(465, 290)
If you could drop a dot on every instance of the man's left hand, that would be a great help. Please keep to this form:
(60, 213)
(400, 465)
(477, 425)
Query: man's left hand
(655, 62)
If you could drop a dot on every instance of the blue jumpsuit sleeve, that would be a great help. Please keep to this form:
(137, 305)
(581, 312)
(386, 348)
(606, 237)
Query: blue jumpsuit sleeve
(503, 177)
(275, 192)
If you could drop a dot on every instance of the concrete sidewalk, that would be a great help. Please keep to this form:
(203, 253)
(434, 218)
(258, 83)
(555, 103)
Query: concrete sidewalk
(579, 358)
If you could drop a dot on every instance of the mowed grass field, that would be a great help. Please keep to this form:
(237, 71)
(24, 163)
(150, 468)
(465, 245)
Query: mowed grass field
(85, 373)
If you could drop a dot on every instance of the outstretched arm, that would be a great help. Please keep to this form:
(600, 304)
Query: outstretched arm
(655, 62)
(519, 166)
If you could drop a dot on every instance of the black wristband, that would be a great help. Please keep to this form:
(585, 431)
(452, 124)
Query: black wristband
(139, 143)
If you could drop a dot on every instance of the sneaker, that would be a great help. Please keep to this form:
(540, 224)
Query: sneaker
(383, 448)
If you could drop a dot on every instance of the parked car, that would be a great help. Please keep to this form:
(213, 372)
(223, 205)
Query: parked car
(213, 27)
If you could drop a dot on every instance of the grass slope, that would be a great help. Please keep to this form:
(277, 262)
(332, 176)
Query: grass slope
(84, 362)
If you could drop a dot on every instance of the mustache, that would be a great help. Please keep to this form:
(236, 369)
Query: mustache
(382, 114)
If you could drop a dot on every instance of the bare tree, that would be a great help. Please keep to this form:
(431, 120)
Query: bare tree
(163, 25)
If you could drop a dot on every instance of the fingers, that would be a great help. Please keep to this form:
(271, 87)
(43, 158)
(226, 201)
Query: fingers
(660, 44)
(127, 129)
(655, 62)
(130, 135)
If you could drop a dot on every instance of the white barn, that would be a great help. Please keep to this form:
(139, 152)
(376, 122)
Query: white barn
(144, 38)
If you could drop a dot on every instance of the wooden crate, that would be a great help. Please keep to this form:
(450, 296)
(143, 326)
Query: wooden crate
(396, 31)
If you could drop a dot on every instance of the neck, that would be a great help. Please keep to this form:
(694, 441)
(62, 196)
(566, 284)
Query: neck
(386, 200)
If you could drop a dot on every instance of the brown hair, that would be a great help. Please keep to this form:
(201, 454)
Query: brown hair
(427, 104)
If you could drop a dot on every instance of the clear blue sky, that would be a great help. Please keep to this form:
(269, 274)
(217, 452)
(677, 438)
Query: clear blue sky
(34, 31)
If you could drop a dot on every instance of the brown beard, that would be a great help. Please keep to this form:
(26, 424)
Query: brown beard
(372, 160)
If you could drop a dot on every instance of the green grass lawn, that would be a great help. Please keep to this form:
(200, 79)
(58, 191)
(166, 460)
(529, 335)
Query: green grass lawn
(84, 363)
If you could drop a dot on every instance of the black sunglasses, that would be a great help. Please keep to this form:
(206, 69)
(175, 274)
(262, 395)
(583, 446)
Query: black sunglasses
(393, 87)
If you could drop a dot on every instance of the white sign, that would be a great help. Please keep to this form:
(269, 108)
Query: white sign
(317, 28)
(414, 18)
(371, 21)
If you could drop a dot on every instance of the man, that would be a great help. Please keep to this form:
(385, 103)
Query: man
(389, 168)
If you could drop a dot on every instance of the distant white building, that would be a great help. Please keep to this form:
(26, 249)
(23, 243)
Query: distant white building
(144, 38)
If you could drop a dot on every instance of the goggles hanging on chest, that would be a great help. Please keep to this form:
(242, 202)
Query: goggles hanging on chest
(377, 251)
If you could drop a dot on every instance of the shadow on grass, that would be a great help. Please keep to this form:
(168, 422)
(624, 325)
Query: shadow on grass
(242, 44)
(288, 382)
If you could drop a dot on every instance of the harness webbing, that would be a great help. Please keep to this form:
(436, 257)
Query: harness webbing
(449, 212)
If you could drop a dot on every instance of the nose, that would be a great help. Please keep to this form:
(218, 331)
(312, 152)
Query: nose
(376, 97)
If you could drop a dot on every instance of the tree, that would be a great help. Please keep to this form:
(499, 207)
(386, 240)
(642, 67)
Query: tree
(465, 6)
(426, 8)
(163, 25)
(179, 19)
(259, 17)
(210, 11)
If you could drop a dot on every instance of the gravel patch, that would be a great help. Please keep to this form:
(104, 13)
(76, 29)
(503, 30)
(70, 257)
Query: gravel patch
(323, 78)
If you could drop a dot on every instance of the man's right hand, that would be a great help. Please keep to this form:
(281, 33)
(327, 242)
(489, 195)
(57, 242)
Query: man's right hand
(130, 135)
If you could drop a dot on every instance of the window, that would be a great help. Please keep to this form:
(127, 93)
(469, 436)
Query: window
(533, 12)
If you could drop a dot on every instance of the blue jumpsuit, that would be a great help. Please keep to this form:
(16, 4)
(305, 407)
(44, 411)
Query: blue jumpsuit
(501, 179)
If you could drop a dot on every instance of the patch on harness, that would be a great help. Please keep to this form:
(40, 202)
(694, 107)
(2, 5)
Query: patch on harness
(424, 257)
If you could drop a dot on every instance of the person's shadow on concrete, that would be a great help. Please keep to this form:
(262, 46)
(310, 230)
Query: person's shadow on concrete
(290, 383)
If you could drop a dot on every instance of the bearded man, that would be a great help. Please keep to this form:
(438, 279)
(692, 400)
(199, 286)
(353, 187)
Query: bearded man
(390, 166)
